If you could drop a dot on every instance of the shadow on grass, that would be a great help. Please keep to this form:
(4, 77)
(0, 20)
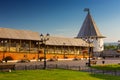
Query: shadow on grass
(105, 76)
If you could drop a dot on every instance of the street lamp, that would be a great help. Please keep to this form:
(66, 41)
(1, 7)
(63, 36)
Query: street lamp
(43, 40)
(89, 40)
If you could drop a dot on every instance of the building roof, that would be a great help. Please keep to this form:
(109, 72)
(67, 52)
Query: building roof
(18, 34)
(8, 33)
(89, 28)
(62, 41)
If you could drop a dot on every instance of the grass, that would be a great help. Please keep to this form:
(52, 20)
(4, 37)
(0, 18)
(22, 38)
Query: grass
(107, 67)
(55, 74)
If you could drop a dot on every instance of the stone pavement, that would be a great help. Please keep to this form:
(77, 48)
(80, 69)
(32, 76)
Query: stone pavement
(81, 64)
(73, 62)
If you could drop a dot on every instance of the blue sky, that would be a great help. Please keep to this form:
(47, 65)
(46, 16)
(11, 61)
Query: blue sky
(61, 17)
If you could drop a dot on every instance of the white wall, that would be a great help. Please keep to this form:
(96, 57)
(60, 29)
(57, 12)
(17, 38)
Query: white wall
(98, 45)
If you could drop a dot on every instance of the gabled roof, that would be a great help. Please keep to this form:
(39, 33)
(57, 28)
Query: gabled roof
(8, 33)
(18, 34)
(62, 41)
(89, 28)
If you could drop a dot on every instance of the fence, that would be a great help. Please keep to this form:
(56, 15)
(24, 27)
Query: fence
(110, 72)
(50, 66)
(78, 68)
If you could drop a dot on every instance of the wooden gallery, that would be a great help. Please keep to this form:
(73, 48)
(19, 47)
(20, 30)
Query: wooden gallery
(21, 44)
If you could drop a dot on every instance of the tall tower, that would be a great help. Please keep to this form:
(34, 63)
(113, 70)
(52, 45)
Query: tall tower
(90, 29)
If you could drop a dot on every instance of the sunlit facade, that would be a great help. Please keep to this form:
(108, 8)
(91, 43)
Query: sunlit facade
(19, 44)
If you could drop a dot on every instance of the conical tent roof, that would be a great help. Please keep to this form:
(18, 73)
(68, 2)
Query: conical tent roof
(89, 28)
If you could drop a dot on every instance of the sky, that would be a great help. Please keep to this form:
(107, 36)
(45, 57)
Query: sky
(61, 17)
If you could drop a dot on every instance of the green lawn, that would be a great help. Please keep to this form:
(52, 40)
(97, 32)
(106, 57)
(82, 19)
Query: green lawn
(55, 74)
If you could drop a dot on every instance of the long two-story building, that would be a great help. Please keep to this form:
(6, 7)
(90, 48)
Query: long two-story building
(20, 44)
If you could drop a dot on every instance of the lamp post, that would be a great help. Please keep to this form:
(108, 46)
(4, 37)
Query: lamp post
(43, 40)
(89, 40)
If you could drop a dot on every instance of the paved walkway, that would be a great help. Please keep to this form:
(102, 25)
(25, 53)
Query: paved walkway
(81, 63)
(74, 63)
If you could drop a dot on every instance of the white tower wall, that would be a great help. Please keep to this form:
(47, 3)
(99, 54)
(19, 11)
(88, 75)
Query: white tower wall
(98, 45)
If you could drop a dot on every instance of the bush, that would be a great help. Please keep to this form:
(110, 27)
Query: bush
(8, 58)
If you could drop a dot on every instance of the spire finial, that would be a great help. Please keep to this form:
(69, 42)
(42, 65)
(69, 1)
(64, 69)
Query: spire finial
(87, 9)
